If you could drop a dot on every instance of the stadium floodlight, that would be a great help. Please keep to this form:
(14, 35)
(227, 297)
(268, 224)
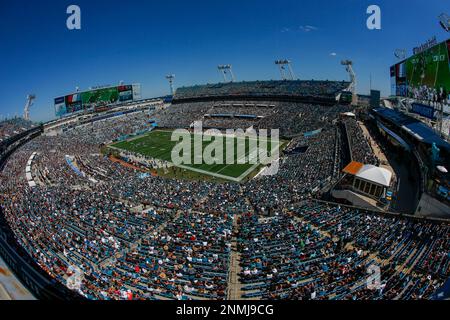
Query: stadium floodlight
(444, 21)
(282, 64)
(227, 71)
(170, 78)
(349, 68)
(30, 100)
(400, 54)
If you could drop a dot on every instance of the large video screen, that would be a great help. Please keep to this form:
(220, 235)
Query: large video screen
(424, 76)
(93, 98)
(109, 95)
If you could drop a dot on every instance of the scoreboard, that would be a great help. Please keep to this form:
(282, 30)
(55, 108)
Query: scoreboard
(92, 99)
(423, 74)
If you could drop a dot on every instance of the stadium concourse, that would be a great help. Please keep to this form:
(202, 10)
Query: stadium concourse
(143, 236)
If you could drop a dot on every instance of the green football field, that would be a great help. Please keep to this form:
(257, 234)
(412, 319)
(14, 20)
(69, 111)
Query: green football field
(158, 145)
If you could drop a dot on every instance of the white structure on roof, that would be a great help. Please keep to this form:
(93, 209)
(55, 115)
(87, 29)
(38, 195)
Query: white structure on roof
(365, 185)
(377, 175)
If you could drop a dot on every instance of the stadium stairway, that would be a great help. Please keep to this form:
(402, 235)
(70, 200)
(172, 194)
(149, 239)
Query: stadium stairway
(234, 285)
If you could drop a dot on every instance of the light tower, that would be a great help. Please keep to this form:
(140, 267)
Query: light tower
(26, 111)
(227, 72)
(170, 78)
(349, 68)
(444, 21)
(285, 74)
(400, 54)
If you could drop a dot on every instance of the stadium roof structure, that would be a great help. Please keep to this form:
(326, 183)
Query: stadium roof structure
(369, 173)
(395, 136)
(414, 127)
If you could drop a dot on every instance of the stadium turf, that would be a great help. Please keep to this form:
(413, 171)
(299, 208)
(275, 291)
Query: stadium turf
(158, 145)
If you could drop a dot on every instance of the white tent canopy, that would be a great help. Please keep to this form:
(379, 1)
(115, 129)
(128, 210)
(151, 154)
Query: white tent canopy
(442, 169)
(375, 174)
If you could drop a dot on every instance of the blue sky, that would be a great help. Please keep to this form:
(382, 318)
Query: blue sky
(141, 41)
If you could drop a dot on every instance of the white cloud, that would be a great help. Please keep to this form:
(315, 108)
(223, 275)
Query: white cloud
(304, 28)
(307, 28)
(333, 54)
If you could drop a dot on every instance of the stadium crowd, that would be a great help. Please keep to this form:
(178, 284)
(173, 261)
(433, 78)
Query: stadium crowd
(360, 148)
(264, 88)
(11, 127)
(428, 95)
(321, 251)
(143, 236)
(290, 118)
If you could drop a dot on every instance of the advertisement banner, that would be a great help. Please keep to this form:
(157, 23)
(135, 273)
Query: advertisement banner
(424, 110)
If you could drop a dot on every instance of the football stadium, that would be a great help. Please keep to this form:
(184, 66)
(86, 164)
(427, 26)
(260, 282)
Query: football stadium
(158, 145)
(291, 189)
